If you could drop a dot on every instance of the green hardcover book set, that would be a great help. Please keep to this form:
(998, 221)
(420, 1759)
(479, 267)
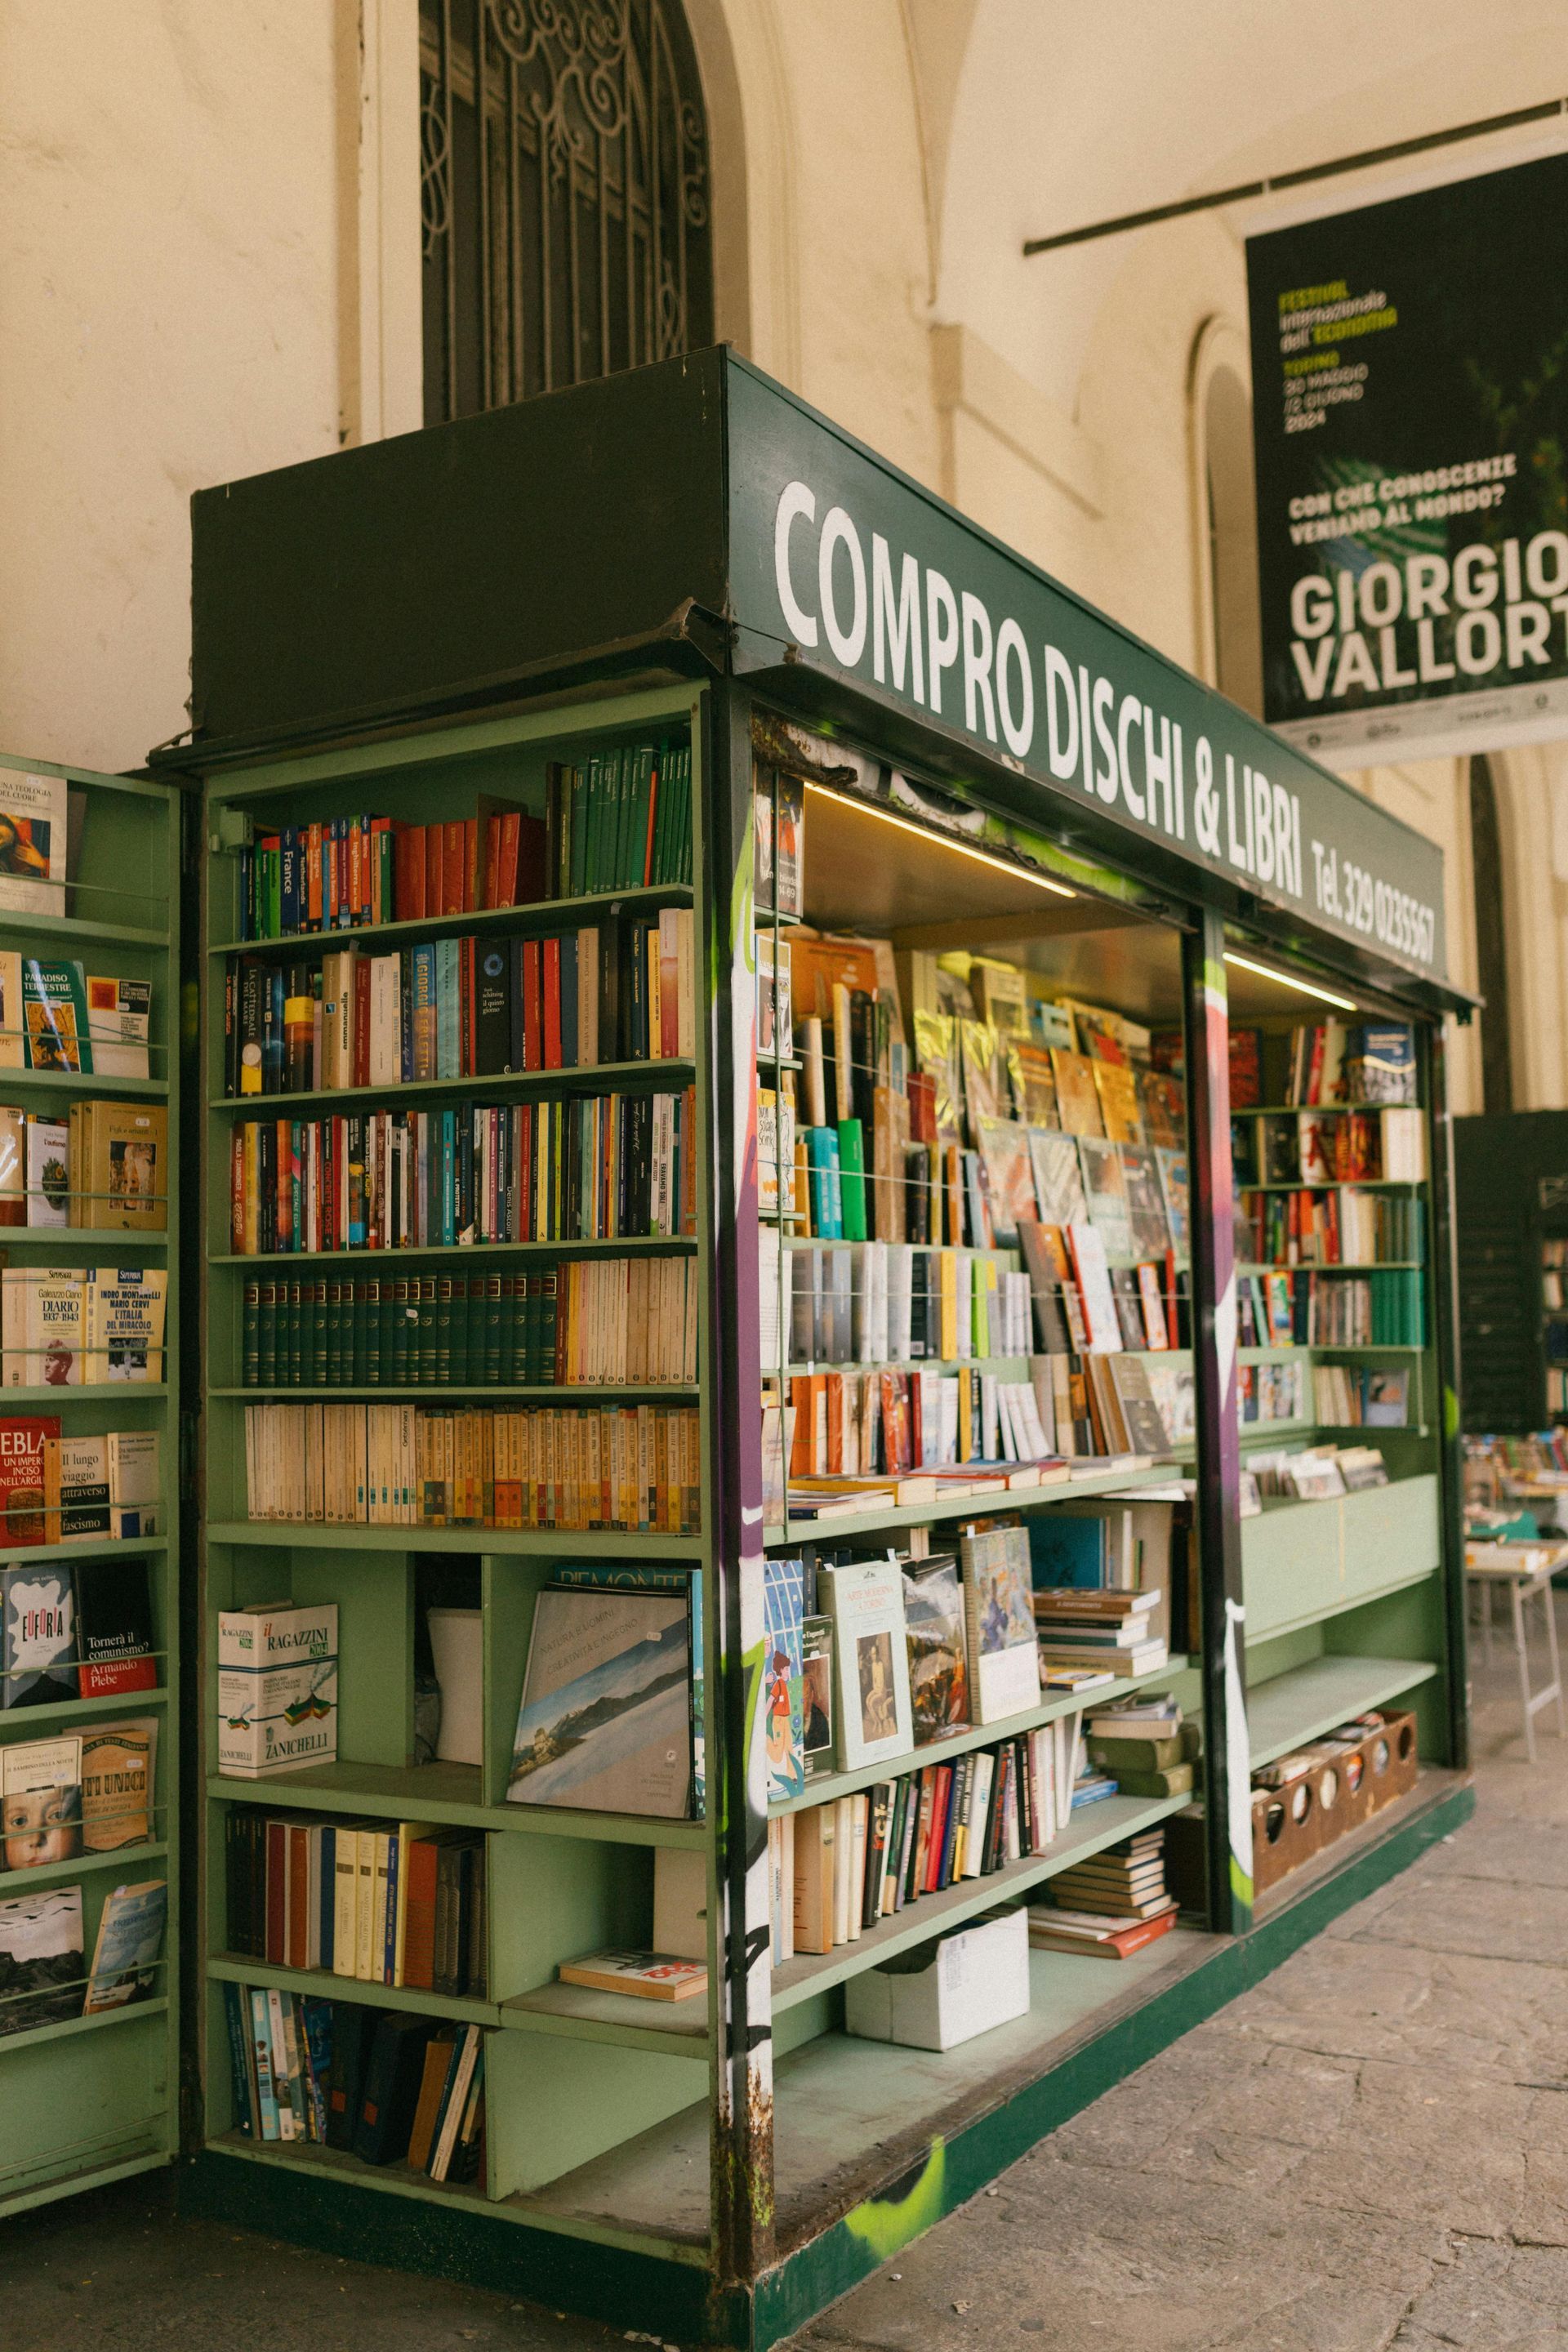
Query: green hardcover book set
(597, 2042)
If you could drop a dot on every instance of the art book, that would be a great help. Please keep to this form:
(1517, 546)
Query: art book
(48, 1176)
(1004, 1150)
(33, 841)
(1105, 1192)
(40, 1958)
(783, 1582)
(1096, 1297)
(1163, 1102)
(939, 1666)
(818, 1746)
(1117, 1087)
(1059, 1177)
(40, 1789)
(605, 1721)
(865, 1602)
(999, 1622)
(130, 1942)
(1078, 1098)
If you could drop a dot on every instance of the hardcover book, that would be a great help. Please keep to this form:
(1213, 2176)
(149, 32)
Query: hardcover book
(1146, 1215)
(1078, 1098)
(605, 1721)
(865, 1602)
(1000, 1624)
(938, 1669)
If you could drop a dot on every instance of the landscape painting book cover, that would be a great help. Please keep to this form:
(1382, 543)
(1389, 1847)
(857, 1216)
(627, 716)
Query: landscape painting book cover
(605, 1718)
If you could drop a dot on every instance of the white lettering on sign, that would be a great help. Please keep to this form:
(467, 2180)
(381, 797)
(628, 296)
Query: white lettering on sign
(926, 637)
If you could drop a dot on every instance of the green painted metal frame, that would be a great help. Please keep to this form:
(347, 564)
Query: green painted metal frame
(124, 2063)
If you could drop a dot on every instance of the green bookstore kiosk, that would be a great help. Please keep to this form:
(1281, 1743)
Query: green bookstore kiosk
(812, 1500)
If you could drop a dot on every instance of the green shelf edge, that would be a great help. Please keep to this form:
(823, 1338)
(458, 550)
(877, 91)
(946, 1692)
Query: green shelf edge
(517, 2016)
(1368, 1683)
(227, 1968)
(586, 1078)
(395, 1392)
(127, 1859)
(539, 914)
(623, 1246)
(133, 2010)
(848, 1524)
(595, 1543)
(304, 1792)
(70, 1710)
(121, 1548)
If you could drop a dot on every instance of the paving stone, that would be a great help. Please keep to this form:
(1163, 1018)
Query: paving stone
(1472, 1914)
(1500, 1845)
(1494, 2299)
(1422, 2143)
(1324, 2319)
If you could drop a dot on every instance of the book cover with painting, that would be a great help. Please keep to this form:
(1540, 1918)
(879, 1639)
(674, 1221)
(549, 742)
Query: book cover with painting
(40, 1794)
(939, 1667)
(1005, 1150)
(1078, 1098)
(130, 1944)
(54, 1015)
(865, 1602)
(999, 1624)
(1163, 1102)
(605, 1721)
(818, 1746)
(33, 842)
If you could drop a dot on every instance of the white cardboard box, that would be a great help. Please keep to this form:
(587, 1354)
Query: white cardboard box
(946, 1993)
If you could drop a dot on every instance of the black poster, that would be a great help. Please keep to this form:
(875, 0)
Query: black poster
(1410, 390)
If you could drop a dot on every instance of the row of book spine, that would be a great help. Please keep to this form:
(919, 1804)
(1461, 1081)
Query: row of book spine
(621, 820)
(461, 1008)
(392, 1903)
(628, 1322)
(840, 1867)
(631, 1468)
(880, 1302)
(612, 1167)
(1335, 1228)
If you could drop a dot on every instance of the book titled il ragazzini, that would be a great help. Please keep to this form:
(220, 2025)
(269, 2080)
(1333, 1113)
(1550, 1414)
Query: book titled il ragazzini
(605, 1718)
(278, 1688)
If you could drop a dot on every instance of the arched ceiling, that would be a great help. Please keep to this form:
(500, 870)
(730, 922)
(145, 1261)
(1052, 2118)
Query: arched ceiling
(1063, 113)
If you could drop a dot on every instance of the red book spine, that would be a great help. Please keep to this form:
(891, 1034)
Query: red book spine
(489, 866)
(117, 1675)
(298, 1896)
(435, 869)
(509, 843)
(313, 877)
(533, 1009)
(1171, 1321)
(420, 1857)
(276, 1833)
(470, 865)
(552, 1005)
(408, 873)
(356, 870)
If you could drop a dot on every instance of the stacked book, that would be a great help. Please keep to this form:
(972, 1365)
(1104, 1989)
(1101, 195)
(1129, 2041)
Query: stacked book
(1144, 1745)
(1110, 1906)
(1116, 1631)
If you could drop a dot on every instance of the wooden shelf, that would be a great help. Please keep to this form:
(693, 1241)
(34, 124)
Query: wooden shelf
(71, 1710)
(99, 2020)
(1053, 1704)
(140, 1547)
(340, 2164)
(1095, 1826)
(129, 1860)
(588, 1078)
(442, 1792)
(540, 915)
(1297, 1707)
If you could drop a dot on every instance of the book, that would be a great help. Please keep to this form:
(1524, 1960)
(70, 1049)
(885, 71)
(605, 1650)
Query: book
(34, 840)
(1005, 1150)
(938, 1669)
(41, 1954)
(130, 1944)
(122, 1324)
(456, 1638)
(114, 1627)
(44, 1310)
(1105, 1194)
(48, 1173)
(278, 1688)
(818, 1743)
(54, 1012)
(23, 1440)
(647, 1976)
(1058, 1178)
(118, 1017)
(999, 1624)
(41, 1802)
(783, 1667)
(1078, 1098)
(866, 1603)
(38, 1636)
(390, 2093)
(118, 1766)
(604, 1720)
(102, 1487)
(120, 1162)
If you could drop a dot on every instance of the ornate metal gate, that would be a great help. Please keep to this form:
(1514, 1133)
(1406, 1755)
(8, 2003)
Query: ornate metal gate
(565, 195)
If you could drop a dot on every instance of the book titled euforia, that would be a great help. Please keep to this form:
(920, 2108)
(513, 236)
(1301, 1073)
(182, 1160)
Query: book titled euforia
(278, 1688)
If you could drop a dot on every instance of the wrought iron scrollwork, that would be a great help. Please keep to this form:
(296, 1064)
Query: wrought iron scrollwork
(566, 199)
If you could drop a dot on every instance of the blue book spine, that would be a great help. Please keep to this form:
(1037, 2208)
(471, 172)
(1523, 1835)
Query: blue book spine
(272, 1037)
(261, 2045)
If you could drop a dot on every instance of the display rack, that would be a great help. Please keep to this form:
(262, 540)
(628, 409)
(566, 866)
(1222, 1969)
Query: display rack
(92, 2098)
(372, 632)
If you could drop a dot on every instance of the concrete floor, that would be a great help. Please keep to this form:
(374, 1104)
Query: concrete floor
(1368, 2152)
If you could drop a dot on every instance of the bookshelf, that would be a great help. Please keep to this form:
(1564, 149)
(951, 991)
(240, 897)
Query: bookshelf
(92, 2098)
(718, 2168)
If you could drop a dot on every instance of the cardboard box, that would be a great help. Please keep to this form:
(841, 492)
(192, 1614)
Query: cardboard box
(946, 1992)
